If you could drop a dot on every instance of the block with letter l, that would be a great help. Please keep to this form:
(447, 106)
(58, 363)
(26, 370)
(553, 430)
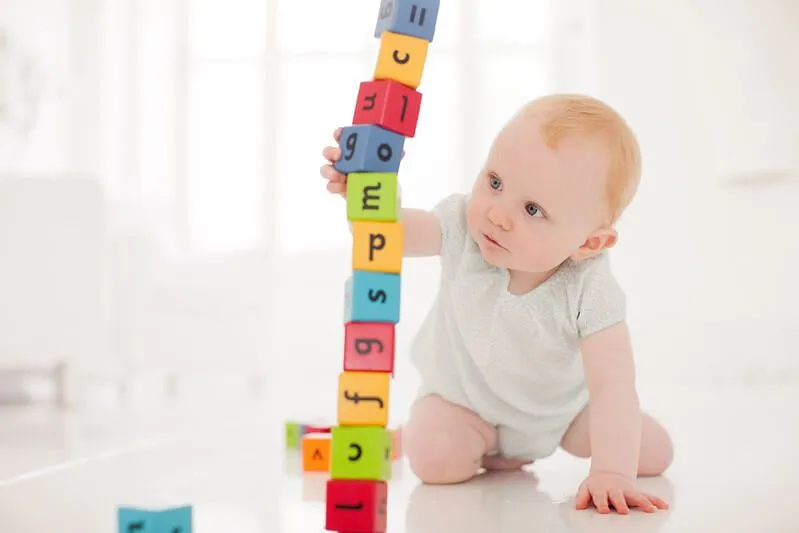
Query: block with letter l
(356, 506)
(373, 196)
(417, 18)
(388, 104)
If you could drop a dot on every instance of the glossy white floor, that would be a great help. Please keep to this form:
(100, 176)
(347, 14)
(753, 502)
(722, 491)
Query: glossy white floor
(736, 471)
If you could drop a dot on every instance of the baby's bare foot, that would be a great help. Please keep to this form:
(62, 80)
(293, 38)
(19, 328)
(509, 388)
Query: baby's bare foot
(499, 463)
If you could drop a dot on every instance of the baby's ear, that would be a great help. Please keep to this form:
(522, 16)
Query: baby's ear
(601, 239)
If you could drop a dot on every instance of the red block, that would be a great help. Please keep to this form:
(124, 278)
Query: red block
(356, 506)
(388, 104)
(369, 346)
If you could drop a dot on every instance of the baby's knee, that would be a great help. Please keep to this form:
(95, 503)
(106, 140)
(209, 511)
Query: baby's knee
(436, 457)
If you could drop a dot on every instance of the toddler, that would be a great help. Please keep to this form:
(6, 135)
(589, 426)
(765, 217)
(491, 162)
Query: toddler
(526, 347)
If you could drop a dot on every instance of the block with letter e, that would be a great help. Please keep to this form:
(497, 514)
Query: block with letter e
(377, 246)
(361, 452)
(372, 297)
(416, 18)
(388, 104)
(356, 506)
(369, 148)
(369, 347)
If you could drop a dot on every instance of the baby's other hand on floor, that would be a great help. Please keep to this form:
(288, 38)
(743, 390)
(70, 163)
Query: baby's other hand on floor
(606, 491)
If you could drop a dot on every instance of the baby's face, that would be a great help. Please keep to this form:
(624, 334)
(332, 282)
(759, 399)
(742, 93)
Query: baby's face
(532, 207)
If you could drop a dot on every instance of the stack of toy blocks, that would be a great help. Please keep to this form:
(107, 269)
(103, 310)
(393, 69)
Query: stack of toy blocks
(386, 113)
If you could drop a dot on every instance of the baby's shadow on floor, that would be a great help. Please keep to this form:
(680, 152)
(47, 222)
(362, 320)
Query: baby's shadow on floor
(511, 502)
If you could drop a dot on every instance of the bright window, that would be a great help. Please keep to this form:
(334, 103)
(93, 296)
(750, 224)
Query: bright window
(473, 80)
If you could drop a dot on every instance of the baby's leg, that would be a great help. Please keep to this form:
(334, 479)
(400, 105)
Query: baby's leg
(657, 450)
(444, 442)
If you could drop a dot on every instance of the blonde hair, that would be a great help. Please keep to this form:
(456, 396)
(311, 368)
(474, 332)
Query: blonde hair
(562, 115)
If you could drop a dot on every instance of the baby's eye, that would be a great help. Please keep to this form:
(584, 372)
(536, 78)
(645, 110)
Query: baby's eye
(494, 182)
(533, 210)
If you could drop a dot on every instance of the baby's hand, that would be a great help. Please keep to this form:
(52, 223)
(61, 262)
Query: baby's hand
(605, 489)
(337, 182)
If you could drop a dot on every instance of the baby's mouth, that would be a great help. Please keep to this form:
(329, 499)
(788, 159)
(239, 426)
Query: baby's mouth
(493, 241)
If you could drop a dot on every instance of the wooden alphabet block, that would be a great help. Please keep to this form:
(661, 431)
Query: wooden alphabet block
(369, 347)
(169, 520)
(372, 297)
(363, 398)
(293, 434)
(372, 197)
(369, 148)
(377, 246)
(356, 506)
(362, 453)
(416, 18)
(316, 452)
(388, 104)
(401, 58)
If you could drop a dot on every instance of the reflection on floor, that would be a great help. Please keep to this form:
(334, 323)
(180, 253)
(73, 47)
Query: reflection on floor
(736, 471)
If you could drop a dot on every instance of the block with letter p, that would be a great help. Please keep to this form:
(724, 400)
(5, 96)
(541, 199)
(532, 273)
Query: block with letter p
(377, 246)
(388, 104)
(363, 398)
(416, 18)
(356, 506)
(372, 297)
(361, 453)
(369, 148)
(372, 196)
(369, 347)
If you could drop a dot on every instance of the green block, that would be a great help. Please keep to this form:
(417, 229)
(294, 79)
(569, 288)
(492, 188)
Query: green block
(360, 452)
(372, 196)
(293, 434)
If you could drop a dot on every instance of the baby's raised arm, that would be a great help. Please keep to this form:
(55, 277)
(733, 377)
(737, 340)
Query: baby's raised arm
(421, 229)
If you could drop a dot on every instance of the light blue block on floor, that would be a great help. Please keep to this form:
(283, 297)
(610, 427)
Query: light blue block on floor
(170, 520)
(372, 297)
(416, 18)
(177, 520)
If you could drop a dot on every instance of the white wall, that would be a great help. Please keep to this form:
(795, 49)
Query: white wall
(710, 88)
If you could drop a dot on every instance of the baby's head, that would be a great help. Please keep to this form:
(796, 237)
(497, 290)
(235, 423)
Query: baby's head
(555, 181)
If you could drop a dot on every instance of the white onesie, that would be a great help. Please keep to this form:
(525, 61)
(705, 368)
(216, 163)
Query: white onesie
(512, 359)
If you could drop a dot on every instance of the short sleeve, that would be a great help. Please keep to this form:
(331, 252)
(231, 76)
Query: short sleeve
(451, 215)
(602, 302)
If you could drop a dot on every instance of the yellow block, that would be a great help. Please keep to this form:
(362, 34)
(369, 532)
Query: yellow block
(401, 58)
(363, 398)
(377, 246)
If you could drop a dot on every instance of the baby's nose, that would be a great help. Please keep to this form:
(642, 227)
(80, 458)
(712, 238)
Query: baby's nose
(498, 217)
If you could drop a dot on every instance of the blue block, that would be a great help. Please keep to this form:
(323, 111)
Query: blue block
(172, 520)
(372, 297)
(175, 520)
(416, 18)
(369, 148)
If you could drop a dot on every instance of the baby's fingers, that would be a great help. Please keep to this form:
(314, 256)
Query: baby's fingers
(641, 501)
(331, 153)
(330, 173)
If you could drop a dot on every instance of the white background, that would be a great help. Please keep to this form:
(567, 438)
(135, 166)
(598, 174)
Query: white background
(165, 214)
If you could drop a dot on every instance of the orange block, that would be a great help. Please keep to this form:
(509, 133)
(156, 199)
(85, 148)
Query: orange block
(401, 58)
(316, 452)
(363, 398)
(377, 246)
